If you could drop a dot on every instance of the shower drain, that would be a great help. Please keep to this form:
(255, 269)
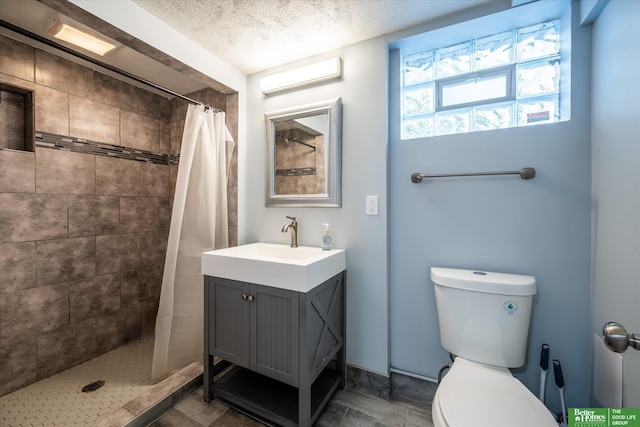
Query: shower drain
(92, 386)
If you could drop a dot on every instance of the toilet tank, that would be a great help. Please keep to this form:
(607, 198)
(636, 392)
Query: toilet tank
(484, 316)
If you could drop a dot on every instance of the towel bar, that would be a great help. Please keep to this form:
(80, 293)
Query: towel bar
(525, 173)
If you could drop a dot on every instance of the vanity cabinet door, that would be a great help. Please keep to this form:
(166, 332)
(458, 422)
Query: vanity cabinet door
(274, 333)
(229, 331)
(255, 327)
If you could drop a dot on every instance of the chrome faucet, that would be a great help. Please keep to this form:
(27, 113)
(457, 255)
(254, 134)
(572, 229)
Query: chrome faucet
(293, 226)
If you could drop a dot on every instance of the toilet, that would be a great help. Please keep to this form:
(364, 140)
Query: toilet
(484, 322)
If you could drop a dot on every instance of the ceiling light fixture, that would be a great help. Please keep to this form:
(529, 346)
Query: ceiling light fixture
(302, 76)
(62, 29)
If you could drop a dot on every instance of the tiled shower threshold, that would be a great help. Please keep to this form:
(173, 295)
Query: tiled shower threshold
(128, 398)
(157, 399)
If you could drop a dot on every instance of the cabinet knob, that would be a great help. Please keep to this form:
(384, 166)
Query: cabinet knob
(249, 298)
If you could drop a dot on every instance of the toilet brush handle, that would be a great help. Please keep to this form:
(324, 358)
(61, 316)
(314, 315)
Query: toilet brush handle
(557, 373)
(544, 367)
(543, 382)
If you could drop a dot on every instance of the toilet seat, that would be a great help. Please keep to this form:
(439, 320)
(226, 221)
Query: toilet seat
(475, 394)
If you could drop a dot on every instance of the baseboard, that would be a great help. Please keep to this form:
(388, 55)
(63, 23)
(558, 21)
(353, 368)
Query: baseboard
(412, 388)
(368, 382)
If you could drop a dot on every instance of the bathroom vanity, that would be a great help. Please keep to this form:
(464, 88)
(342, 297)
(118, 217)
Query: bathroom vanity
(284, 338)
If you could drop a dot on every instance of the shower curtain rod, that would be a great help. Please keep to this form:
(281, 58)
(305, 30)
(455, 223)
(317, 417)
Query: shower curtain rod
(286, 141)
(111, 68)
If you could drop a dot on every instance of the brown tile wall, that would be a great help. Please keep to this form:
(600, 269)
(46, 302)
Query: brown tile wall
(232, 189)
(83, 237)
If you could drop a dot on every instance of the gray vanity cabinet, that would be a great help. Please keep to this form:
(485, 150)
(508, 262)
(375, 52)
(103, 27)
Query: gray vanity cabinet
(285, 348)
(256, 327)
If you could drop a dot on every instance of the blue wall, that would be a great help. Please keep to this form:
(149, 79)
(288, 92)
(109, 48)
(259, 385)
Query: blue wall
(364, 153)
(539, 227)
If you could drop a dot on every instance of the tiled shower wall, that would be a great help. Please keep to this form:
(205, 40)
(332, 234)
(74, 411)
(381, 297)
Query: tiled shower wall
(83, 236)
(299, 169)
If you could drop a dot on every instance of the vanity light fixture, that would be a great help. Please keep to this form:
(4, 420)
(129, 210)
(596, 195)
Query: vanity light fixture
(63, 29)
(301, 76)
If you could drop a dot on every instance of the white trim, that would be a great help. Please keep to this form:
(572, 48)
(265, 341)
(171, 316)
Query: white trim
(510, 95)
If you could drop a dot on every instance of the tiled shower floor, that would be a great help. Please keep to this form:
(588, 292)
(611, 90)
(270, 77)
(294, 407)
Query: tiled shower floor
(59, 400)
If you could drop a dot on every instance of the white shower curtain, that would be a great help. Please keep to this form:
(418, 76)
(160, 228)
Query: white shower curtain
(199, 223)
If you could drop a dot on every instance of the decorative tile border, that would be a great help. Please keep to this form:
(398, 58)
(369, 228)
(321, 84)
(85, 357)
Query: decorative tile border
(296, 172)
(79, 145)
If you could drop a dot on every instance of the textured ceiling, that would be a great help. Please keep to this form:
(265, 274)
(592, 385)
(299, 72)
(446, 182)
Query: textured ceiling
(254, 35)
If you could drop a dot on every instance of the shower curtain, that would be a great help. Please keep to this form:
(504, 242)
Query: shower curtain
(199, 223)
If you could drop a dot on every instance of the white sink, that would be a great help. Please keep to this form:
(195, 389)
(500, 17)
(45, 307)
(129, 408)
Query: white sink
(297, 269)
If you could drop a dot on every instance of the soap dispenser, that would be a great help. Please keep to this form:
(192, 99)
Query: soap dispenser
(326, 238)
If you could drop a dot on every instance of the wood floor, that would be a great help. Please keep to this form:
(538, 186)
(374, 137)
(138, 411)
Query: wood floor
(347, 408)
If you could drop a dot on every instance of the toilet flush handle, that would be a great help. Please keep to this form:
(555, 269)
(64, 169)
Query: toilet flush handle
(617, 339)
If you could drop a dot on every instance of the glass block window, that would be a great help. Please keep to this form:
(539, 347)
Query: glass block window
(499, 81)
(494, 51)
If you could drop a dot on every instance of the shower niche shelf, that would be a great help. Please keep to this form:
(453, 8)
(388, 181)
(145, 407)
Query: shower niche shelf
(17, 115)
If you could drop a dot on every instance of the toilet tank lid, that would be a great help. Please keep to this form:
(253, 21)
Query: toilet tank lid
(484, 281)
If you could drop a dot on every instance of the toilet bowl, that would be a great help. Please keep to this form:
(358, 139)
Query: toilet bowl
(484, 320)
(473, 394)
